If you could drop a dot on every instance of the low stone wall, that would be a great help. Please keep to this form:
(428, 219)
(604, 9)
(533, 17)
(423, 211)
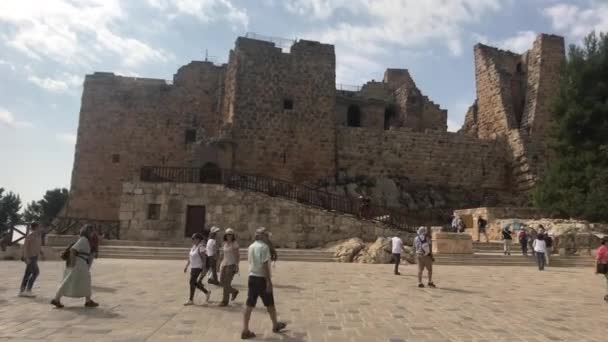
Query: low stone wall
(292, 224)
(15, 253)
(452, 243)
(493, 215)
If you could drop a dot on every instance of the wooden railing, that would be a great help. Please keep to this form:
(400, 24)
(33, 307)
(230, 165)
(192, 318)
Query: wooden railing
(394, 217)
(71, 226)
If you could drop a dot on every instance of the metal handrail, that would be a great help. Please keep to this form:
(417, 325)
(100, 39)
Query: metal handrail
(397, 218)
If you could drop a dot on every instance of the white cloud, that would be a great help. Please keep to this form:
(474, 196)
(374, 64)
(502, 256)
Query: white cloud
(480, 38)
(519, 43)
(73, 32)
(404, 23)
(7, 64)
(7, 119)
(576, 21)
(57, 85)
(204, 10)
(453, 126)
(67, 138)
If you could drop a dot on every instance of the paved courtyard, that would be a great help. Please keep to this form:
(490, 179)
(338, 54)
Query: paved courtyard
(142, 301)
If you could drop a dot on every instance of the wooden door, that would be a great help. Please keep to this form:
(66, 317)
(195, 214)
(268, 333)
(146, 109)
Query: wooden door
(195, 220)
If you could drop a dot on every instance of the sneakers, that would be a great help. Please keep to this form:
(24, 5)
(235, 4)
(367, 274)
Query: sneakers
(222, 304)
(57, 303)
(208, 296)
(397, 273)
(431, 285)
(245, 335)
(90, 304)
(421, 285)
(280, 326)
(234, 294)
(27, 294)
(188, 303)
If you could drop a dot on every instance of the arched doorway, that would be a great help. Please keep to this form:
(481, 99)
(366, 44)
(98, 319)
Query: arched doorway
(389, 117)
(210, 174)
(353, 116)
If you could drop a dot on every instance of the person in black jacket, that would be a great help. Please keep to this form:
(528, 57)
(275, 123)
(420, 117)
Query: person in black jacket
(507, 239)
(481, 229)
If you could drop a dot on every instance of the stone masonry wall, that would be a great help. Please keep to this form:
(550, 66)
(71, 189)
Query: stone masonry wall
(293, 225)
(433, 157)
(290, 143)
(126, 123)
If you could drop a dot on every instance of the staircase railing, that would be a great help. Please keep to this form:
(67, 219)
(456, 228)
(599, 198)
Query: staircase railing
(110, 229)
(394, 217)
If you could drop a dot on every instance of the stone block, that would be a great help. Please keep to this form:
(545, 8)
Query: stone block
(452, 243)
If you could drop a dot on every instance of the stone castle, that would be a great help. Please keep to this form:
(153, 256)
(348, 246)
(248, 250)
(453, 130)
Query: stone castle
(278, 114)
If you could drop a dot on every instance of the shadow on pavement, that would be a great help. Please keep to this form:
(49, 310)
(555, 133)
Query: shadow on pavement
(103, 289)
(456, 290)
(99, 312)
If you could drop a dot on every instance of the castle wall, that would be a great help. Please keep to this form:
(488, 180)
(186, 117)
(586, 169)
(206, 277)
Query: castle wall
(126, 123)
(293, 225)
(294, 144)
(432, 157)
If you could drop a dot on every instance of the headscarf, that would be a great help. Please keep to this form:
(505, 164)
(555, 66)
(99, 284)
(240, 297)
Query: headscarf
(86, 230)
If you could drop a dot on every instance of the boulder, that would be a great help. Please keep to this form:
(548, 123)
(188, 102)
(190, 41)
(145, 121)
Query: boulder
(378, 252)
(408, 255)
(345, 251)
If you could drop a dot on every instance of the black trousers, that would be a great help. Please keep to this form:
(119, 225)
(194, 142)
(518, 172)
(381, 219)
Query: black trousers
(396, 260)
(195, 283)
(212, 265)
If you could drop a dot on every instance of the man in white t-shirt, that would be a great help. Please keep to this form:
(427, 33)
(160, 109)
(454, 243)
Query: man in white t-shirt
(212, 256)
(397, 247)
(260, 283)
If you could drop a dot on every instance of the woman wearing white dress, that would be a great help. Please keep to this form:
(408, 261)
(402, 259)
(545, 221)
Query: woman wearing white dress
(77, 276)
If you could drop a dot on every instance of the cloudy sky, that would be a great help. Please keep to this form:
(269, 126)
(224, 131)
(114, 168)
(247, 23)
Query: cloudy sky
(46, 48)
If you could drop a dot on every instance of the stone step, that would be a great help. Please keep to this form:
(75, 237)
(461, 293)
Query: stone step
(181, 257)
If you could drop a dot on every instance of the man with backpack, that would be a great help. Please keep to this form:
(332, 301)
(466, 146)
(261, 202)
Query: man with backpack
(548, 246)
(422, 244)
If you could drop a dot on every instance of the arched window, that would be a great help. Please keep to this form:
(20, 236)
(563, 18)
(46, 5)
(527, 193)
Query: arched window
(353, 118)
(210, 173)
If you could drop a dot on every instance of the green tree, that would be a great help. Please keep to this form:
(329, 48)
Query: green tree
(46, 209)
(10, 204)
(32, 212)
(576, 182)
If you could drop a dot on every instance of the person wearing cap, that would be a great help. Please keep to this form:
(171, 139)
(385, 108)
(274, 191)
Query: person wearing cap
(196, 262)
(212, 256)
(424, 255)
(259, 283)
(229, 265)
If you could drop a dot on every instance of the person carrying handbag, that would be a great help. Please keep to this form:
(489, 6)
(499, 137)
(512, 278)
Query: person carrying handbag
(601, 259)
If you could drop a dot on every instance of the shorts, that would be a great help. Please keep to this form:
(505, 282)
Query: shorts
(257, 288)
(425, 261)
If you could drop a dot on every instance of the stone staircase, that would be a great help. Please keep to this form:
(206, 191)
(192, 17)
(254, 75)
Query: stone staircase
(157, 250)
(491, 254)
(486, 254)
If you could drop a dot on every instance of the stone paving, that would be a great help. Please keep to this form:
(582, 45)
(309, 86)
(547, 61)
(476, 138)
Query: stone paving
(142, 301)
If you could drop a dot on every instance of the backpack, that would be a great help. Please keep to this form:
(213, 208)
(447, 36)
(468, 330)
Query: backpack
(65, 255)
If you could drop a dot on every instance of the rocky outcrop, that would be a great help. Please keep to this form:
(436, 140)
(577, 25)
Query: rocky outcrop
(378, 252)
(346, 251)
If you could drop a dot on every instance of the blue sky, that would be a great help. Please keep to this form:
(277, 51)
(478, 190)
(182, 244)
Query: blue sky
(46, 48)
